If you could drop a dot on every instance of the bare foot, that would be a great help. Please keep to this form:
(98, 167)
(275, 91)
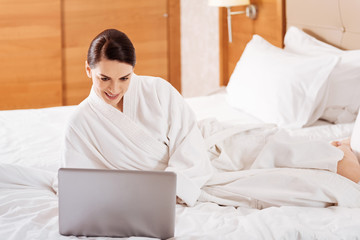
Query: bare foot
(349, 166)
(342, 142)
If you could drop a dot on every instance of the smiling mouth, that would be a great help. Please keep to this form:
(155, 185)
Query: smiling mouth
(111, 96)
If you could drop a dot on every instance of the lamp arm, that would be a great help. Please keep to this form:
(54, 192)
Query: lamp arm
(238, 12)
(251, 12)
(229, 23)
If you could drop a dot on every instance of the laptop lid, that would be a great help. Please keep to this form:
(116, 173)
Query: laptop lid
(116, 203)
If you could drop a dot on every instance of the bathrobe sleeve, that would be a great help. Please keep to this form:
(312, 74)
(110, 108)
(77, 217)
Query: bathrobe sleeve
(187, 151)
(80, 148)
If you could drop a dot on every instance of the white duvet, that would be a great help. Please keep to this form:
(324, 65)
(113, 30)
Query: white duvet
(28, 210)
(30, 157)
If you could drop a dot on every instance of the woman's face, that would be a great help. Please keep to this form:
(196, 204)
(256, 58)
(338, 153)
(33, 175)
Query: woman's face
(111, 80)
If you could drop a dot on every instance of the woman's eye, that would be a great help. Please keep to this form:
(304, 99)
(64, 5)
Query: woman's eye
(104, 78)
(124, 79)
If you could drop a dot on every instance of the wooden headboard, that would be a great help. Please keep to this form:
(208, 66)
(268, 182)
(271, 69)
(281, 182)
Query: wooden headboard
(336, 22)
(333, 21)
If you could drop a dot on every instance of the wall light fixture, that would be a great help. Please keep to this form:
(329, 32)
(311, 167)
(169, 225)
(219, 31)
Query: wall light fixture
(250, 11)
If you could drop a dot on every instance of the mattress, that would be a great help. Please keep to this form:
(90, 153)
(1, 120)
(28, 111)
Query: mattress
(30, 149)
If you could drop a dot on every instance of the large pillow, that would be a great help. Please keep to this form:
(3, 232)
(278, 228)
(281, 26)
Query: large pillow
(280, 87)
(344, 91)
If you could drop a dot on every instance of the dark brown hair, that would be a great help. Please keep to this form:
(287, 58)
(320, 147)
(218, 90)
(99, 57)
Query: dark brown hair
(112, 45)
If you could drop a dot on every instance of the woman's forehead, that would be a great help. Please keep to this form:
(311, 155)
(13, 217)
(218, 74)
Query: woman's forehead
(113, 68)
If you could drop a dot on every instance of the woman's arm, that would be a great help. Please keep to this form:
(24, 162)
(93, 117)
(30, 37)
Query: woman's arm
(187, 150)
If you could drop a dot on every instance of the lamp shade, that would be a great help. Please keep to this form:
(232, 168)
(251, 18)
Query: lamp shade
(228, 3)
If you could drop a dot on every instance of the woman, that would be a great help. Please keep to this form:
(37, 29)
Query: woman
(142, 123)
(138, 130)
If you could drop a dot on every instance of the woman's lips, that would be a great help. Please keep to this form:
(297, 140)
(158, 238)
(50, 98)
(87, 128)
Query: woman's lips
(111, 96)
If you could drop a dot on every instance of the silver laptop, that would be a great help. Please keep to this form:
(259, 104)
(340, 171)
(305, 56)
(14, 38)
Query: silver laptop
(116, 203)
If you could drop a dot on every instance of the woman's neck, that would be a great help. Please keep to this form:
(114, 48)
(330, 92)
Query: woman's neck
(120, 105)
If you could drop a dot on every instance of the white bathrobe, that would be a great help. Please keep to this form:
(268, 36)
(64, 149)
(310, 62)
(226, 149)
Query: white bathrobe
(230, 165)
(156, 131)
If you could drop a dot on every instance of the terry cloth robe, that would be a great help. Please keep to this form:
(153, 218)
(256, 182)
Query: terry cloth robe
(241, 165)
(156, 131)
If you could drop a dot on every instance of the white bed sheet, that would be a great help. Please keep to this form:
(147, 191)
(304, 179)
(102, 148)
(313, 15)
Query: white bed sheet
(30, 147)
(32, 137)
(32, 214)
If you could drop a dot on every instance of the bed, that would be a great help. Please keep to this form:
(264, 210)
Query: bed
(30, 141)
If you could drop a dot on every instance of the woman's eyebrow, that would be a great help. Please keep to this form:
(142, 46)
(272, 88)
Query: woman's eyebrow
(103, 75)
(125, 76)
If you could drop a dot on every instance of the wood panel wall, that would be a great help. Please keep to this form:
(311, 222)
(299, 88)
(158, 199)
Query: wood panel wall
(142, 20)
(269, 24)
(43, 45)
(30, 54)
(174, 43)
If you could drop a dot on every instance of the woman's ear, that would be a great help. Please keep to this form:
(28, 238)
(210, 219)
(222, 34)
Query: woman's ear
(87, 69)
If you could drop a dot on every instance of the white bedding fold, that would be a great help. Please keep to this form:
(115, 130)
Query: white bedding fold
(263, 167)
(14, 176)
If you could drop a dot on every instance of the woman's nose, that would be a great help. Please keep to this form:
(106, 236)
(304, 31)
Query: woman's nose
(114, 87)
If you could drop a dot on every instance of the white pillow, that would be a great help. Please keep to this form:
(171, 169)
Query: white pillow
(344, 91)
(278, 86)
